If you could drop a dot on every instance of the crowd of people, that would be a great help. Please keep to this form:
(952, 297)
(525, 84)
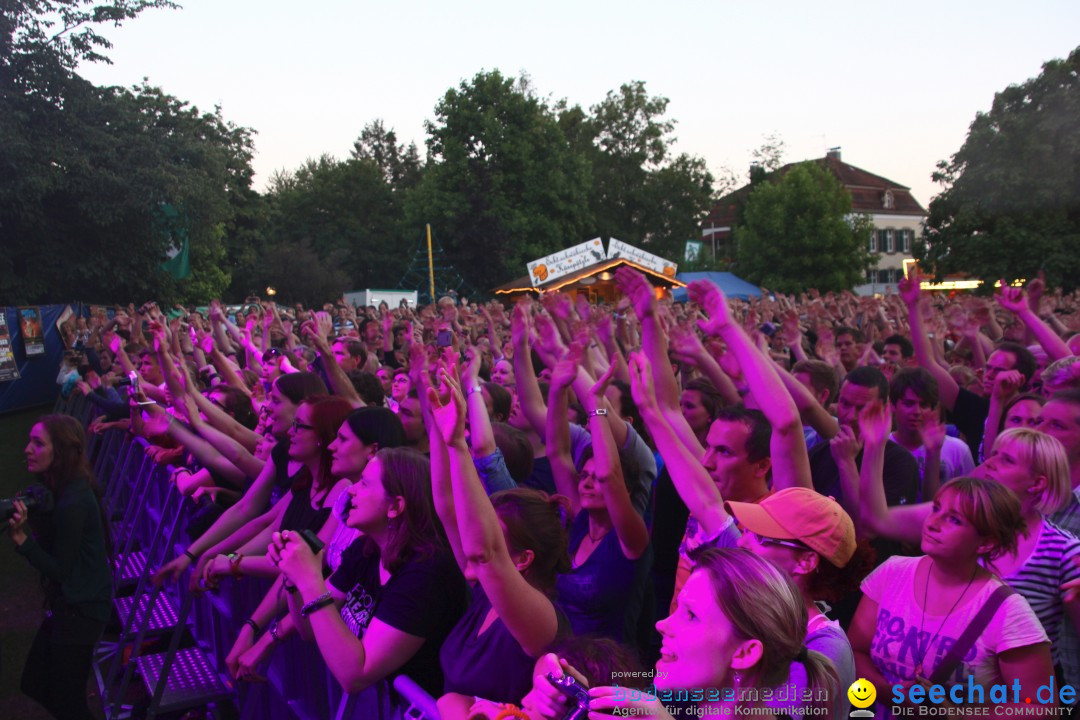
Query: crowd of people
(717, 506)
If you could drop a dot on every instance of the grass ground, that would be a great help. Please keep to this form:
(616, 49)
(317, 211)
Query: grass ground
(20, 590)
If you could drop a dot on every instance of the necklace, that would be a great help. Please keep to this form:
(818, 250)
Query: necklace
(922, 620)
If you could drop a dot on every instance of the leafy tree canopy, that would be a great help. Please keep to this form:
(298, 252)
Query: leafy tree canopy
(1011, 199)
(798, 232)
(640, 191)
(502, 185)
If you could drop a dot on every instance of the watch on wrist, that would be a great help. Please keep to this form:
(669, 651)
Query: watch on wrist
(601, 412)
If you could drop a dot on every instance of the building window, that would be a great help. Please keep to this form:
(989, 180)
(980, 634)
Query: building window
(884, 276)
(888, 201)
(890, 241)
(873, 242)
(870, 275)
(909, 236)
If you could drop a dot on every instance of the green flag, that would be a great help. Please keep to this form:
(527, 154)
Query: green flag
(179, 263)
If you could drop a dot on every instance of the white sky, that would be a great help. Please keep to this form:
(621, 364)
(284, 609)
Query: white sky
(895, 84)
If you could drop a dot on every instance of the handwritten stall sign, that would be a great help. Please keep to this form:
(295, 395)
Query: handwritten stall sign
(619, 249)
(565, 262)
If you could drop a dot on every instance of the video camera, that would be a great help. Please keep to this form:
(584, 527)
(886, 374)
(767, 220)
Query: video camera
(37, 498)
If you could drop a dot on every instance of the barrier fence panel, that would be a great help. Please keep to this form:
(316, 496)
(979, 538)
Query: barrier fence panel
(148, 521)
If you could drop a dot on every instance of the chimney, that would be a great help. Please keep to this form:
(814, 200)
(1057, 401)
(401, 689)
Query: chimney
(833, 153)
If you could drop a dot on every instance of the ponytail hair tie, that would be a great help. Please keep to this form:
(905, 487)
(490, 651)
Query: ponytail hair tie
(802, 655)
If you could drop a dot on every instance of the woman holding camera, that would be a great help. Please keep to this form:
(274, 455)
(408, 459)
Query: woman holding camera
(67, 546)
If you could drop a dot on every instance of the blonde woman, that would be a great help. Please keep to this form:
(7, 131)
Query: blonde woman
(739, 624)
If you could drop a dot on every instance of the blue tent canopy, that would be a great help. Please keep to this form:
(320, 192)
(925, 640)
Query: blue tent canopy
(733, 286)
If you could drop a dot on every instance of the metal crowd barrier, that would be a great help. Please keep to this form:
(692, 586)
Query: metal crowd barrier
(175, 641)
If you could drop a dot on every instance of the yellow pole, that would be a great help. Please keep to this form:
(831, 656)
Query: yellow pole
(430, 265)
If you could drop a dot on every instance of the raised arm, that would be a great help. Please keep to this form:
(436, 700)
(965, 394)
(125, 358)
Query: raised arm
(528, 389)
(790, 463)
(527, 613)
(558, 430)
(442, 490)
(910, 293)
(811, 411)
(340, 384)
(628, 524)
(481, 437)
(903, 522)
(1013, 300)
(689, 476)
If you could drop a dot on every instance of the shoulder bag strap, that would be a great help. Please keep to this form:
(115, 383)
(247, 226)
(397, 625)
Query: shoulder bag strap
(971, 633)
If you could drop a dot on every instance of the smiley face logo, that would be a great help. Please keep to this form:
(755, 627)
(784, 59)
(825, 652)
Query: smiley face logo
(862, 693)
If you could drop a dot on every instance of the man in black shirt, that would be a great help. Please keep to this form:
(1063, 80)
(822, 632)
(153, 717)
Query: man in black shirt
(862, 386)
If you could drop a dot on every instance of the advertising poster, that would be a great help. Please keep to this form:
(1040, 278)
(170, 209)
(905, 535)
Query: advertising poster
(8, 369)
(67, 334)
(33, 333)
(99, 316)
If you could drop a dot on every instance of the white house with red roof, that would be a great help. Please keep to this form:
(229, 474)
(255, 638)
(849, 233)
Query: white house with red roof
(897, 216)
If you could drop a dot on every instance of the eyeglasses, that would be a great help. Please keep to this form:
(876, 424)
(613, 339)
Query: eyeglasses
(297, 425)
(794, 544)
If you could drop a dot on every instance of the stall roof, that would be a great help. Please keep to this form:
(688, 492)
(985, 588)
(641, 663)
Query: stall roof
(522, 283)
(732, 285)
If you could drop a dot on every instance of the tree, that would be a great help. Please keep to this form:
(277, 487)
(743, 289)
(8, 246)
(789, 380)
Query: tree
(502, 186)
(1011, 199)
(347, 214)
(400, 165)
(797, 232)
(640, 192)
(85, 171)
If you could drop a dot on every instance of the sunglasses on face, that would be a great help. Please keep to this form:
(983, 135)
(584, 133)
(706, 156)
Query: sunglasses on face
(793, 544)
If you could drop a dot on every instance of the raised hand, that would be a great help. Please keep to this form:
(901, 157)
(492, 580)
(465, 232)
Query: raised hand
(470, 369)
(932, 431)
(565, 371)
(641, 382)
(714, 303)
(910, 288)
(686, 346)
(1012, 299)
(1007, 384)
(845, 445)
(448, 409)
(875, 423)
(638, 289)
(790, 332)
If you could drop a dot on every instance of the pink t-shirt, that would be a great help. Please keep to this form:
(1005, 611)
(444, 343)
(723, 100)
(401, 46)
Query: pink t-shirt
(900, 643)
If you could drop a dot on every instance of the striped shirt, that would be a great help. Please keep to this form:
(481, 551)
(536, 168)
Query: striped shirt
(1039, 580)
(1068, 517)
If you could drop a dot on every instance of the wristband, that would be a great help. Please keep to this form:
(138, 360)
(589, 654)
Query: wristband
(599, 412)
(190, 556)
(234, 563)
(250, 622)
(474, 389)
(317, 604)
